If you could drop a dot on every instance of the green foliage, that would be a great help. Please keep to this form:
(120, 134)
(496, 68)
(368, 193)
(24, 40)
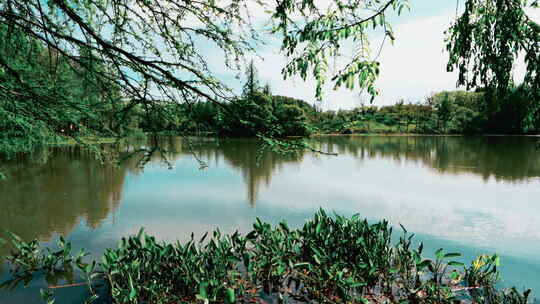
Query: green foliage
(28, 257)
(483, 271)
(330, 259)
(319, 35)
(44, 95)
(120, 68)
(510, 296)
(262, 114)
(114, 68)
(447, 112)
(252, 83)
(518, 111)
(247, 117)
(460, 112)
(259, 113)
(47, 296)
(467, 112)
(187, 272)
(104, 68)
(486, 40)
(400, 118)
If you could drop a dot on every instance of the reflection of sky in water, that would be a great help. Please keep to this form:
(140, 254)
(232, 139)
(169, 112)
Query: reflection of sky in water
(458, 207)
(461, 211)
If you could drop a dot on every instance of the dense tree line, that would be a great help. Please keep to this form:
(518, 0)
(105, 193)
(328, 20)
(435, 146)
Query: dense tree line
(256, 112)
(449, 112)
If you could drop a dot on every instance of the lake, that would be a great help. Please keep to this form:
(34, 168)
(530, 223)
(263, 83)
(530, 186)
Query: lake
(469, 194)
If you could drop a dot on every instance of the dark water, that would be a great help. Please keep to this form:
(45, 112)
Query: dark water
(473, 195)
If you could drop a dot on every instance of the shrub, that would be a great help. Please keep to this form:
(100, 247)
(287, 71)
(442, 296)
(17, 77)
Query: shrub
(331, 259)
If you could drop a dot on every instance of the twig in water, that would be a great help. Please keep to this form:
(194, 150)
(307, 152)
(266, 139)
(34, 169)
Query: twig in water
(68, 285)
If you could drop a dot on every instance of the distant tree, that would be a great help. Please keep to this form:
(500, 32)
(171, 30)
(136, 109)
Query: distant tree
(247, 117)
(399, 107)
(252, 80)
(262, 114)
(460, 112)
(267, 89)
(444, 109)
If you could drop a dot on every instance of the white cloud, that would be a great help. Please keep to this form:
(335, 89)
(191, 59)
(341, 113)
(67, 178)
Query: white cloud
(411, 69)
(416, 65)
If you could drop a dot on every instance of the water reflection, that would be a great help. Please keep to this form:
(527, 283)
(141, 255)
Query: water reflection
(506, 159)
(56, 194)
(68, 185)
(256, 166)
(476, 193)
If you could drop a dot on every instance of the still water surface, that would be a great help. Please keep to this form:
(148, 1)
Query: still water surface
(473, 195)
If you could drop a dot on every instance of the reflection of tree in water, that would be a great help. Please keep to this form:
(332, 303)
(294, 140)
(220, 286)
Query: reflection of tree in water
(256, 169)
(256, 165)
(55, 194)
(510, 159)
(40, 198)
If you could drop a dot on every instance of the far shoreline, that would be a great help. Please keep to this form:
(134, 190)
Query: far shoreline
(69, 141)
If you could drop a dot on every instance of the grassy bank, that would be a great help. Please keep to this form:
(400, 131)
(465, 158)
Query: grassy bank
(94, 140)
(89, 140)
(331, 259)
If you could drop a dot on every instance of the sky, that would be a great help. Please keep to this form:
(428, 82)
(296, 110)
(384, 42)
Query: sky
(413, 68)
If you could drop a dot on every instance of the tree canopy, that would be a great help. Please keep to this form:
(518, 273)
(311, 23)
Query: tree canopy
(485, 44)
(485, 41)
(137, 54)
(252, 84)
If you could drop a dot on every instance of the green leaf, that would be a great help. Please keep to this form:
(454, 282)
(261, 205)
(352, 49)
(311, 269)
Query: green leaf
(132, 294)
(452, 255)
(456, 264)
(497, 260)
(203, 237)
(203, 291)
(280, 270)
(132, 290)
(284, 226)
(423, 264)
(403, 228)
(91, 299)
(230, 296)
(439, 254)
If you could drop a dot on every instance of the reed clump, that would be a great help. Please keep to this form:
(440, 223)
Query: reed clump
(331, 259)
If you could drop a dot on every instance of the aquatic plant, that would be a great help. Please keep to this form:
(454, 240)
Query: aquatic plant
(330, 259)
